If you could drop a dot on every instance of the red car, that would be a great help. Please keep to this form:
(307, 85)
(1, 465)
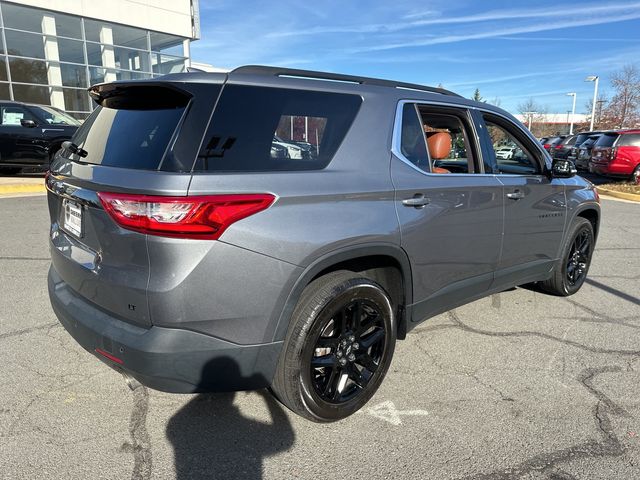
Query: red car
(617, 154)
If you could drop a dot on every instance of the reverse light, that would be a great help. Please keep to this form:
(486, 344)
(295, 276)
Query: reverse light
(203, 217)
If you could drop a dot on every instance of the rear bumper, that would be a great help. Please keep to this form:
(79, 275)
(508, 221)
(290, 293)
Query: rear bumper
(610, 168)
(167, 359)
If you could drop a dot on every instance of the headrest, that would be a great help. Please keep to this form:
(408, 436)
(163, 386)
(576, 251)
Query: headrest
(439, 145)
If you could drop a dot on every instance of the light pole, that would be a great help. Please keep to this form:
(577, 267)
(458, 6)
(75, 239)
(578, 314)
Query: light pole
(530, 117)
(593, 78)
(573, 111)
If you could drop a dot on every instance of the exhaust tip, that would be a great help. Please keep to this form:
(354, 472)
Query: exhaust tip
(131, 382)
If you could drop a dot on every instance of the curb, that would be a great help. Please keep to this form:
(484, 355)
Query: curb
(625, 196)
(13, 188)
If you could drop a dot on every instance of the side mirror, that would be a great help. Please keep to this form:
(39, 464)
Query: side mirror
(563, 169)
(27, 123)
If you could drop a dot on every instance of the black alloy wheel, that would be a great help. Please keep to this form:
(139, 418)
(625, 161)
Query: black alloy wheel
(348, 351)
(338, 347)
(578, 259)
(570, 271)
(635, 176)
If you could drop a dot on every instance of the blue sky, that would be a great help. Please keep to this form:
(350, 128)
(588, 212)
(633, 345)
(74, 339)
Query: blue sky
(509, 50)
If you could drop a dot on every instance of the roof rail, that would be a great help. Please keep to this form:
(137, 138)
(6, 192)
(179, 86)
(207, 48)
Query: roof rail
(336, 77)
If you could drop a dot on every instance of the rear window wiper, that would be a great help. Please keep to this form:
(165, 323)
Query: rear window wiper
(73, 148)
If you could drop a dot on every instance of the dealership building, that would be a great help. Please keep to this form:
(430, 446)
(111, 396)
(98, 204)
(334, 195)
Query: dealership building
(51, 51)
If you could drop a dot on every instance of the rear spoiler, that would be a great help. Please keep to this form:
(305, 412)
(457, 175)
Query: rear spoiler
(139, 95)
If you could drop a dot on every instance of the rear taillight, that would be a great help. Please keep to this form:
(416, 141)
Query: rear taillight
(546, 146)
(613, 153)
(204, 217)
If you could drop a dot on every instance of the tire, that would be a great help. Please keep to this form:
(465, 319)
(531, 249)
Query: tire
(334, 359)
(635, 176)
(571, 269)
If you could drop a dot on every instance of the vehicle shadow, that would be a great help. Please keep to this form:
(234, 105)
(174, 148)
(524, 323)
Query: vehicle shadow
(212, 439)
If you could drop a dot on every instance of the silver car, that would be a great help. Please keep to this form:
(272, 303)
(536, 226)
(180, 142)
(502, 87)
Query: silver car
(189, 258)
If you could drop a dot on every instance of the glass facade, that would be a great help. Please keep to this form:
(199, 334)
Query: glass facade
(52, 58)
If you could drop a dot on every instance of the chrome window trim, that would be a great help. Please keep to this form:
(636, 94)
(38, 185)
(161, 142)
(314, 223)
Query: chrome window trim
(396, 137)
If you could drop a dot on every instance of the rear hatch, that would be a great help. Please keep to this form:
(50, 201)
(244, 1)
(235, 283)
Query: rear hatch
(129, 145)
(603, 150)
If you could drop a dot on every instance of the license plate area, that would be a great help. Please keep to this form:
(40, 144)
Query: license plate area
(72, 217)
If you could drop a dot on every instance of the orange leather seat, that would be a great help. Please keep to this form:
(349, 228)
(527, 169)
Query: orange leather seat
(439, 147)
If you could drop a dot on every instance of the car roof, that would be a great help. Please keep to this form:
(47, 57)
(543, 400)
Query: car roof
(280, 77)
(626, 132)
(15, 102)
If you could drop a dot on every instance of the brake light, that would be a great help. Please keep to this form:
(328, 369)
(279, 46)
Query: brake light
(203, 217)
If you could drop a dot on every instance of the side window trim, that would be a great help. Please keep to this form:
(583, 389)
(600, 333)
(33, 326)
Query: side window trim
(474, 136)
(483, 140)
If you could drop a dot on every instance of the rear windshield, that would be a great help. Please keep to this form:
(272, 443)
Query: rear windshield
(274, 129)
(581, 138)
(131, 128)
(606, 140)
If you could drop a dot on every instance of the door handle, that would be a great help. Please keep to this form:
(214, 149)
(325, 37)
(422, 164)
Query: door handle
(517, 195)
(417, 201)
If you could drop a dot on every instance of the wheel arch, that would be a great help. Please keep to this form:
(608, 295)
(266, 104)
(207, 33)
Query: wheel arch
(591, 213)
(383, 263)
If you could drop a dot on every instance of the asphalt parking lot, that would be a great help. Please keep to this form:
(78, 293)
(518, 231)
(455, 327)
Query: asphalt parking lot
(518, 385)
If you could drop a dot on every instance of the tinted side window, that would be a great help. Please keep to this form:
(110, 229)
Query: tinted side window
(412, 142)
(606, 140)
(448, 140)
(512, 154)
(273, 129)
(12, 114)
(631, 139)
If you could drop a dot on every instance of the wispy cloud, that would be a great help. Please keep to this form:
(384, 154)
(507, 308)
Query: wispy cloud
(501, 32)
(431, 17)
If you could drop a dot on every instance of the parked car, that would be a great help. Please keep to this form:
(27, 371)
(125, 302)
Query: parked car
(580, 139)
(278, 151)
(584, 152)
(188, 258)
(295, 151)
(562, 149)
(617, 154)
(31, 134)
(551, 142)
(506, 153)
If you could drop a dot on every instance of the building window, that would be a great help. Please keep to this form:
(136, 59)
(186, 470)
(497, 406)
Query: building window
(31, 94)
(70, 50)
(25, 44)
(4, 91)
(31, 20)
(51, 58)
(25, 70)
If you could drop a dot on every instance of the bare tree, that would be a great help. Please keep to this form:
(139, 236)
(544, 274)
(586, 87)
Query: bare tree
(601, 119)
(495, 101)
(534, 115)
(623, 110)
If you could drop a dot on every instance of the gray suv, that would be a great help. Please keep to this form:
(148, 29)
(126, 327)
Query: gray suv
(283, 228)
